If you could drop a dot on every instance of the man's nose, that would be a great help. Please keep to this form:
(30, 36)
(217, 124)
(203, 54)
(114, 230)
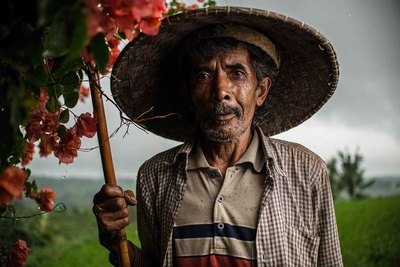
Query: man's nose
(221, 89)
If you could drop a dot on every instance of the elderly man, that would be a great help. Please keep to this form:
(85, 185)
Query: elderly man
(229, 195)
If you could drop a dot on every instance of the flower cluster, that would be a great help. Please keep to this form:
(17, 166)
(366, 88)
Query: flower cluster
(126, 17)
(12, 183)
(53, 136)
(45, 198)
(19, 254)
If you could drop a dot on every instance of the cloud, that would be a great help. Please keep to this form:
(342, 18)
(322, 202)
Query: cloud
(381, 151)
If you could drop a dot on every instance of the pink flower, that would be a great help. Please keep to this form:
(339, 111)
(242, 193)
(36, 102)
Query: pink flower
(19, 254)
(29, 150)
(45, 198)
(12, 183)
(192, 7)
(86, 125)
(48, 142)
(150, 26)
(67, 149)
(83, 93)
(148, 9)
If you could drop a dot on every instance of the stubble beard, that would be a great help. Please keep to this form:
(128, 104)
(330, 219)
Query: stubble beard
(212, 129)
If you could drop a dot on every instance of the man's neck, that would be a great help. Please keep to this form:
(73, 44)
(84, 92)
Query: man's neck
(226, 154)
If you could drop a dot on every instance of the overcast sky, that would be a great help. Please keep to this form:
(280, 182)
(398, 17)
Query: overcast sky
(363, 114)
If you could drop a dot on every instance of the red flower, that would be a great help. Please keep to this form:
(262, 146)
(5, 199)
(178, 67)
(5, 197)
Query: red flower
(192, 7)
(148, 9)
(67, 149)
(86, 125)
(19, 254)
(29, 150)
(113, 42)
(12, 183)
(83, 93)
(48, 142)
(150, 25)
(45, 198)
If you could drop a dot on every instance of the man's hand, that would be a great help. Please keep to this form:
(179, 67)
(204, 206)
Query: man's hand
(110, 206)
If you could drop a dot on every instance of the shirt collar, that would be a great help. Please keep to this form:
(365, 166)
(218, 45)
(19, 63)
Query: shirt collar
(253, 155)
(269, 155)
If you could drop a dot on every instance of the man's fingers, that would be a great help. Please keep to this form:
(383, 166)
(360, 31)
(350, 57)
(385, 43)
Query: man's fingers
(108, 191)
(113, 221)
(111, 205)
(130, 198)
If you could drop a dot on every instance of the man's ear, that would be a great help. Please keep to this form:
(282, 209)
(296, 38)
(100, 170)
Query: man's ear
(262, 90)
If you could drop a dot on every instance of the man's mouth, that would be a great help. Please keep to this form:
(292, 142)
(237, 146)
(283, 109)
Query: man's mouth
(224, 117)
(222, 113)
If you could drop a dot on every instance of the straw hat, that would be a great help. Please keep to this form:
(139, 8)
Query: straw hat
(144, 83)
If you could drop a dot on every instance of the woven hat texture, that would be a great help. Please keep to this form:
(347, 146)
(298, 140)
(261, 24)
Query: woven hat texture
(144, 79)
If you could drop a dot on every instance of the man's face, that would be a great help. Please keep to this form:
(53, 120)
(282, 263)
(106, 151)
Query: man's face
(225, 93)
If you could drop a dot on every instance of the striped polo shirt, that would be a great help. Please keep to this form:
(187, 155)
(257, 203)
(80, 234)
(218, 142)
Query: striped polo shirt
(217, 221)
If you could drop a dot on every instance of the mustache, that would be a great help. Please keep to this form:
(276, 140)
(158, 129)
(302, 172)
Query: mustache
(221, 109)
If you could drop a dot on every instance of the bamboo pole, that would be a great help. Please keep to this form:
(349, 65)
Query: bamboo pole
(105, 152)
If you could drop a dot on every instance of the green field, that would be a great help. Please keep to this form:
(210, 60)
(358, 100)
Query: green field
(369, 232)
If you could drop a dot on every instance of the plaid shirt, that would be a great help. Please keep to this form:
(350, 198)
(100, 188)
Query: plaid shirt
(296, 225)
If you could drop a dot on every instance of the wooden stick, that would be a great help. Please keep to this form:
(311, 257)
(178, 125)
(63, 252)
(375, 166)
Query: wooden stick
(105, 152)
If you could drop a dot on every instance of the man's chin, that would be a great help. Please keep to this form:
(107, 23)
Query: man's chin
(220, 135)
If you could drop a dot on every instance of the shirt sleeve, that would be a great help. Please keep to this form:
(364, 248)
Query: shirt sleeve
(148, 254)
(329, 250)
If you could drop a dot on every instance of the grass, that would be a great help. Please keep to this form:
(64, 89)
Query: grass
(369, 232)
(66, 239)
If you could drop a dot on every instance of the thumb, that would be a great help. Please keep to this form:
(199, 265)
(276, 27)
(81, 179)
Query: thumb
(130, 198)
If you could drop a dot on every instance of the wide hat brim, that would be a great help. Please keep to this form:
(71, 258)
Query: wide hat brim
(144, 82)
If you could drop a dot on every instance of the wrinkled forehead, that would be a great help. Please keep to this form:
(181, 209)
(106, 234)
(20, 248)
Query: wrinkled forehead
(230, 31)
(224, 55)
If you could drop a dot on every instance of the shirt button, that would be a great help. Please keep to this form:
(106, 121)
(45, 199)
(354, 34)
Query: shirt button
(220, 226)
(221, 199)
(178, 197)
(212, 175)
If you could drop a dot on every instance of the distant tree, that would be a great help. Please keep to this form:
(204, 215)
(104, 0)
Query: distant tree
(349, 176)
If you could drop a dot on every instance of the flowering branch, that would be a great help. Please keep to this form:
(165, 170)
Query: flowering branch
(59, 207)
(43, 48)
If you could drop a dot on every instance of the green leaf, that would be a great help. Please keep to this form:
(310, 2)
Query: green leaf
(52, 104)
(55, 90)
(100, 52)
(118, 35)
(56, 40)
(70, 82)
(64, 116)
(71, 98)
(78, 37)
(30, 187)
(62, 131)
(62, 66)
(48, 10)
(40, 74)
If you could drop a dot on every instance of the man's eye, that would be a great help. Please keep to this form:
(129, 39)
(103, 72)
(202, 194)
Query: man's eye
(202, 76)
(237, 74)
